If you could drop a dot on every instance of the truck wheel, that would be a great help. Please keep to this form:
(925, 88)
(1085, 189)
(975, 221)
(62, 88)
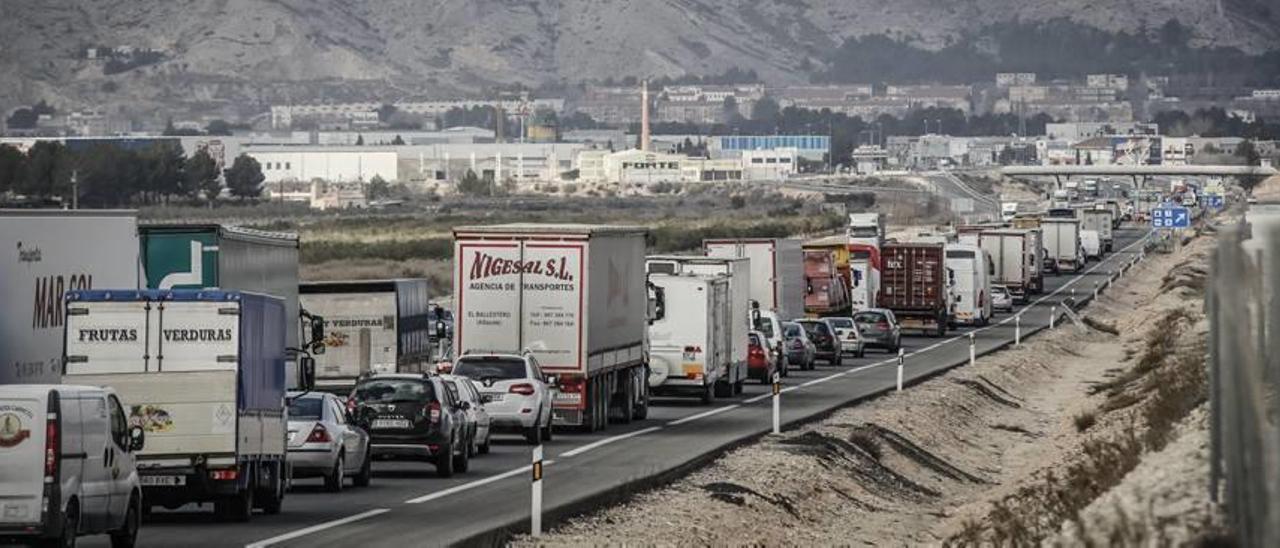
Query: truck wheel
(642, 403)
(365, 475)
(708, 394)
(738, 386)
(236, 508)
(127, 535)
(723, 389)
(337, 476)
(275, 499)
(444, 461)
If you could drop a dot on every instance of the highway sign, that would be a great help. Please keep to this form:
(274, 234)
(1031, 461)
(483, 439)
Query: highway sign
(1215, 201)
(1168, 216)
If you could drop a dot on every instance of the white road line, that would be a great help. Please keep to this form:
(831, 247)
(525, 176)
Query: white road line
(757, 398)
(317, 528)
(607, 441)
(704, 414)
(472, 485)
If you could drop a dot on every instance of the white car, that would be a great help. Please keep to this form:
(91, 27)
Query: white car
(847, 333)
(514, 390)
(478, 418)
(67, 465)
(322, 442)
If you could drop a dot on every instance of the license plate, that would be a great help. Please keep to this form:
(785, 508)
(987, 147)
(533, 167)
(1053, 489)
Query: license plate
(493, 396)
(163, 481)
(568, 397)
(390, 423)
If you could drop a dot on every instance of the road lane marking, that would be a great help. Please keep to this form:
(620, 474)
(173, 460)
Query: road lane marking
(607, 441)
(473, 484)
(704, 414)
(317, 528)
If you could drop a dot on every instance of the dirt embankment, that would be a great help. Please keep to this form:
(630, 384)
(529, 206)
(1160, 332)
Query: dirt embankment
(1067, 440)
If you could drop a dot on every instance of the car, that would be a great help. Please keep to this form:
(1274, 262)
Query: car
(879, 329)
(478, 418)
(1001, 299)
(324, 443)
(769, 324)
(760, 361)
(412, 416)
(67, 465)
(800, 350)
(515, 392)
(823, 335)
(848, 334)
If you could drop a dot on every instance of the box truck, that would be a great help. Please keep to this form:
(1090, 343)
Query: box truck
(1100, 221)
(572, 295)
(691, 343)
(916, 287)
(826, 288)
(1016, 260)
(739, 273)
(777, 271)
(45, 254)
(864, 275)
(381, 326)
(866, 228)
(203, 373)
(972, 267)
(1062, 242)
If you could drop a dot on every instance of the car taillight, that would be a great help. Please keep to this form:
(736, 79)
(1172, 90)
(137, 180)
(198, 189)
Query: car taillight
(433, 412)
(522, 389)
(319, 434)
(223, 475)
(853, 335)
(52, 446)
(883, 325)
(757, 352)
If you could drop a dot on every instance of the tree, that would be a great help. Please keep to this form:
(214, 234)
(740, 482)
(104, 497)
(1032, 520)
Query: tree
(23, 118)
(218, 127)
(766, 111)
(1249, 153)
(202, 177)
(109, 176)
(12, 164)
(378, 188)
(164, 167)
(398, 140)
(48, 172)
(360, 140)
(473, 185)
(730, 113)
(244, 177)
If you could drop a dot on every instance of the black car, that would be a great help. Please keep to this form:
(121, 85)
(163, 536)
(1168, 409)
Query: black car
(824, 338)
(413, 417)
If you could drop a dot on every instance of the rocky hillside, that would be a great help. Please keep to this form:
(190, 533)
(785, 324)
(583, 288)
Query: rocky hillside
(219, 53)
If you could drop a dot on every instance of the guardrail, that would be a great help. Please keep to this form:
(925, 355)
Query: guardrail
(1243, 304)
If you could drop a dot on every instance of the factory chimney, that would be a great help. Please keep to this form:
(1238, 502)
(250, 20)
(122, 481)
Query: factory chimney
(644, 116)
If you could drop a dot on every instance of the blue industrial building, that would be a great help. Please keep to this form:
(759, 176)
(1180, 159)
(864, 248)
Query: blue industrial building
(812, 147)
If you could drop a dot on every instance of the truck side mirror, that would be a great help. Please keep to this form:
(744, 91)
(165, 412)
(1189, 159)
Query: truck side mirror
(316, 344)
(307, 373)
(137, 438)
(659, 303)
(442, 332)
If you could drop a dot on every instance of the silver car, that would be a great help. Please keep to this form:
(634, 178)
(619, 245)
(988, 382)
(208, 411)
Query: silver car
(848, 334)
(478, 418)
(323, 443)
(1001, 299)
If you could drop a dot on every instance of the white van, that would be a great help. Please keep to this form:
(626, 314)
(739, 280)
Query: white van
(67, 465)
(972, 268)
(1091, 244)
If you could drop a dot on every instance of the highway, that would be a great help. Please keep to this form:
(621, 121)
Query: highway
(949, 186)
(407, 505)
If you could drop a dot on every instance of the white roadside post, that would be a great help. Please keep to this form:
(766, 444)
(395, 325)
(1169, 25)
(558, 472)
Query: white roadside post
(973, 350)
(901, 355)
(1053, 315)
(777, 403)
(1017, 330)
(1095, 291)
(535, 525)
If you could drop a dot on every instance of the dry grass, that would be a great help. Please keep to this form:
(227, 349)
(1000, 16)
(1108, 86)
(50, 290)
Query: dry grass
(1086, 420)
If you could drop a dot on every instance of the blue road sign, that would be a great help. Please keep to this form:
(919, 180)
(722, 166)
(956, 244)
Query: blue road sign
(1170, 217)
(1215, 201)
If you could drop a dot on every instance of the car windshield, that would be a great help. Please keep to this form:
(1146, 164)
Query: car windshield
(815, 328)
(490, 369)
(841, 323)
(753, 340)
(765, 326)
(791, 331)
(394, 390)
(306, 408)
(868, 318)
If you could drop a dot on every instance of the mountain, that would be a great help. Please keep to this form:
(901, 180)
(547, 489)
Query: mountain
(237, 56)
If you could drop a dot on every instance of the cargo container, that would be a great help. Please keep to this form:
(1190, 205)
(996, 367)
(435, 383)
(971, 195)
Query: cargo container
(739, 273)
(574, 296)
(47, 253)
(826, 288)
(1062, 242)
(379, 326)
(1100, 221)
(204, 374)
(916, 287)
(1016, 260)
(691, 345)
(777, 271)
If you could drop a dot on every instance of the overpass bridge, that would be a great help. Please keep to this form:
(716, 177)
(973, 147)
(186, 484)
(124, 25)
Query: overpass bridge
(1136, 171)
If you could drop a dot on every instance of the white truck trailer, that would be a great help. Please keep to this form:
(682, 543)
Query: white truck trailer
(572, 295)
(1062, 242)
(739, 273)
(777, 271)
(1100, 221)
(47, 253)
(691, 344)
(1016, 257)
(972, 267)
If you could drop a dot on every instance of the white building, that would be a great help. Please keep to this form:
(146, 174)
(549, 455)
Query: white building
(1266, 94)
(1009, 79)
(1118, 82)
(769, 164)
(332, 164)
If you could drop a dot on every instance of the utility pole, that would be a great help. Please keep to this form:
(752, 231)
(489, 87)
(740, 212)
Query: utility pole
(75, 191)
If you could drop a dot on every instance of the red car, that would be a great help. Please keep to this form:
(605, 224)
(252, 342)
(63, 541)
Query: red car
(760, 365)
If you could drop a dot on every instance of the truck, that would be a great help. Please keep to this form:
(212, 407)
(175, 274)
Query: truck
(47, 253)
(691, 343)
(972, 267)
(826, 288)
(777, 271)
(1062, 242)
(866, 228)
(739, 274)
(1027, 220)
(1100, 221)
(379, 326)
(208, 256)
(1008, 210)
(916, 287)
(203, 372)
(864, 274)
(574, 296)
(1015, 256)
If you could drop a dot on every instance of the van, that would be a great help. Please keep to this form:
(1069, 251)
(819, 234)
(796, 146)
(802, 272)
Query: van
(67, 466)
(1091, 244)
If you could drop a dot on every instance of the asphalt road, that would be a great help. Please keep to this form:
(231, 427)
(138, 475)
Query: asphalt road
(408, 506)
(947, 184)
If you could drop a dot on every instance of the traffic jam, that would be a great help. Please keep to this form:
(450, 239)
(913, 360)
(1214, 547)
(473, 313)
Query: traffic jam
(181, 366)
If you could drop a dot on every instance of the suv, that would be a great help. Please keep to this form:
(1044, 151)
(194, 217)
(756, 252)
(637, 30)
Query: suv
(515, 392)
(824, 336)
(413, 416)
